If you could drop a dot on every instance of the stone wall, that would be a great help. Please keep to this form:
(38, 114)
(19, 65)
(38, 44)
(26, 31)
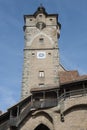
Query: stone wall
(33, 45)
(74, 113)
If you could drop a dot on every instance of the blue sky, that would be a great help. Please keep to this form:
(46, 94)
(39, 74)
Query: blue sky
(72, 42)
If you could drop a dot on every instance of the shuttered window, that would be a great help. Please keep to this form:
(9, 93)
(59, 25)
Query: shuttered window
(41, 74)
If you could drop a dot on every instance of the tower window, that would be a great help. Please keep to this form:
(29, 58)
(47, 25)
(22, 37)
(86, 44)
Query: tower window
(40, 15)
(49, 54)
(41, 40)
(30, 19)
(41, 74)
(51, 19)
(33, 54)
(41, 85)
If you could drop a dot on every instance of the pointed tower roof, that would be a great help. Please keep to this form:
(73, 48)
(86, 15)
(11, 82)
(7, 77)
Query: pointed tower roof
(40, 9)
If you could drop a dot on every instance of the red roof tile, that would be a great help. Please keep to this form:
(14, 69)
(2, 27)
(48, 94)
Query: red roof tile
(70, 76)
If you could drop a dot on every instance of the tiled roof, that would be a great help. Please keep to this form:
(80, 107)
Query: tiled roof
(70, 76)
(65, 77)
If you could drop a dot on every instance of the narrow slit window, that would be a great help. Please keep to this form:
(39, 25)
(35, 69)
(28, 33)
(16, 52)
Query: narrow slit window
(33, 54)
(30, 19)
(49, 54)
(51, 19)
(40, 15)
(41, 85)
(41, 40)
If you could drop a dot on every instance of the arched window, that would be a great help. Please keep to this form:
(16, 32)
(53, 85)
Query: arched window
(41, 127)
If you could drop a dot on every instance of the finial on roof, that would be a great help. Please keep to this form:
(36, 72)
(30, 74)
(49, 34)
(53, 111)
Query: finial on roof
(40, 9)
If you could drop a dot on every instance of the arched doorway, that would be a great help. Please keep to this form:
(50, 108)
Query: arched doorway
(41, 127)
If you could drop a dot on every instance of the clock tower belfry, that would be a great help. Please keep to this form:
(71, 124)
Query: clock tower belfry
(41, 54)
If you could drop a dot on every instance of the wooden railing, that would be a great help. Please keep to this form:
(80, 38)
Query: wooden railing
(45, 103)
(73, 94)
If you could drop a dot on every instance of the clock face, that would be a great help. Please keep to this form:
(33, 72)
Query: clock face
(41, 55)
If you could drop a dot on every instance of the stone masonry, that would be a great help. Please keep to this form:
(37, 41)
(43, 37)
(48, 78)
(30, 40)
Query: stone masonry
(41, 36)
(53, 98)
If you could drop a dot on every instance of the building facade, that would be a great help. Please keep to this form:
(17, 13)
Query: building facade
(53, 98)
(41, 54)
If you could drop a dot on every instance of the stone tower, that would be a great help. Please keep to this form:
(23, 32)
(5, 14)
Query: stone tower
(41, 54)
(53, 98)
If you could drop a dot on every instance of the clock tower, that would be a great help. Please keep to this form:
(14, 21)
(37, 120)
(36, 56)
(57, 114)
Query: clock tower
(41, 54)
(48, 103)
